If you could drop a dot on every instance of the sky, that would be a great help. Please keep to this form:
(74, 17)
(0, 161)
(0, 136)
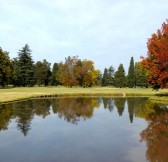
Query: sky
(108, 32)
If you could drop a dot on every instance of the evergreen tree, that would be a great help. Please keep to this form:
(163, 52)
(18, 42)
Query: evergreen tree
(108, 77)
(54, 74)
(131, 74)
(119, 77)
(25, 68)
(141, 75)
(105, 79)
(47, 72)
(111, 71)
(5, 68)
(111, 76)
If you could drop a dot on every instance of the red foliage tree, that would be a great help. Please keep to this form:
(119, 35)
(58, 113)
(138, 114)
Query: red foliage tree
(156, 61)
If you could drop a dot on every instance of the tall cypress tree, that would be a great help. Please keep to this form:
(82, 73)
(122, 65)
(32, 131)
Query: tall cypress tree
(119, 77)
(26, 67)
(131, 74)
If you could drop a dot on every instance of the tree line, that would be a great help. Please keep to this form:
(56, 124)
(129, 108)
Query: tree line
(137, 76)
(150, 71)
(23, 71)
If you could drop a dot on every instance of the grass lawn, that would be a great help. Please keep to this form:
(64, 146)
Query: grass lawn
(12, 94)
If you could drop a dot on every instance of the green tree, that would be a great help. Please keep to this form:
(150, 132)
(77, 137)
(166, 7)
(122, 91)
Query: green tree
(105, 79)
(47, 72)
(55, 69)
(25, 67)
(111, 75)
(16, 70)
(5, 68)
(131, 74)
(108, 77)
(42, 73)
(39, 73)
(119, 77)
(141, 75)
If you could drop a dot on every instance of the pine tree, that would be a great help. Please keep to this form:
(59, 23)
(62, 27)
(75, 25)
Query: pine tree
(26, 67)
(5, 68)
(105, 79)
(119, 77)
(131, 74)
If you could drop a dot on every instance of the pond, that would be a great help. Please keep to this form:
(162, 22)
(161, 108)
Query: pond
(84, 130)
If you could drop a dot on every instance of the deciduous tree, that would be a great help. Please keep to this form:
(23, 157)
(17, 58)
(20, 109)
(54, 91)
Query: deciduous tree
(156, 61)
(75, 72)
(5, 68)
(42, 72)
(66, 71)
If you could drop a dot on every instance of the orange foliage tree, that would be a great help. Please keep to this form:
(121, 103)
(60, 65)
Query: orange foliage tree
(75, 72)
(156, 61)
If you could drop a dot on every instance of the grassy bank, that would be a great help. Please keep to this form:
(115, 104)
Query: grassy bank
(14, 94)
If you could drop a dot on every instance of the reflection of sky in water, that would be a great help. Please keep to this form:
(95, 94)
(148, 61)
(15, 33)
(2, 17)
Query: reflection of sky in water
(103, 137)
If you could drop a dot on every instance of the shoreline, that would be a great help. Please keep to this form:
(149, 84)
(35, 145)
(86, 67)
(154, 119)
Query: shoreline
(25, 93)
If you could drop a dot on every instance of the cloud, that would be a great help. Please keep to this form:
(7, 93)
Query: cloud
(108, 32)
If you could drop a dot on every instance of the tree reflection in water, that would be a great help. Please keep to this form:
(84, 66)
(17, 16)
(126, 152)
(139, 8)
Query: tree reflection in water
(75, 109)
(71, 109)
(5, 116)
(120, 105)
(156, 135)
(108, 104)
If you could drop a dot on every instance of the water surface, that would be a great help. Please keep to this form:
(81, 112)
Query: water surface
(84, 130)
